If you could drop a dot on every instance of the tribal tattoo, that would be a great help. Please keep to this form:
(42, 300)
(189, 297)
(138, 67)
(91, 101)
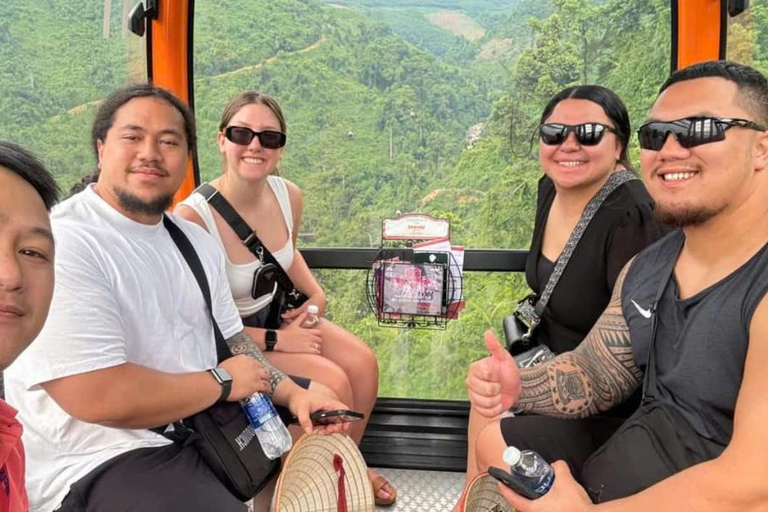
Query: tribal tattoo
(241, 343)
(599, 374)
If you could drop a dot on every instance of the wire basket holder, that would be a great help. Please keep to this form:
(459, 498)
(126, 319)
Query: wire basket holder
(415, 281)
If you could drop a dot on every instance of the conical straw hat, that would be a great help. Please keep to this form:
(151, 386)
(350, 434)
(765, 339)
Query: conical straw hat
(309, 481)
(483, 495)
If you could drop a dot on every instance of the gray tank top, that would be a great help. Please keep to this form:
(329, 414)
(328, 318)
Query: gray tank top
(702, 341)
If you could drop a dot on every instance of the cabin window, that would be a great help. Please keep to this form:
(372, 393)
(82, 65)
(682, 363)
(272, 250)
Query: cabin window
(747, 40)
(58, 60)
(394, 107)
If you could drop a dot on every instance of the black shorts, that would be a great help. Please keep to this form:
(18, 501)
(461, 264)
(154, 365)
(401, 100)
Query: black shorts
(167, 479)
(558, 439)
(301, 381)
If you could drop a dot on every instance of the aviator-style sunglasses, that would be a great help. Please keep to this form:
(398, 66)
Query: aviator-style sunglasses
(243, 136)
(587, 134)
(690, 131)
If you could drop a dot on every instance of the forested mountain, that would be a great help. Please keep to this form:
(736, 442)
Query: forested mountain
(417, 106)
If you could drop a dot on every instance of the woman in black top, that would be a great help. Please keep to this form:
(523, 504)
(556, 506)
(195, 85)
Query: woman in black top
(584, 135)
(622, 227)
(574, 170)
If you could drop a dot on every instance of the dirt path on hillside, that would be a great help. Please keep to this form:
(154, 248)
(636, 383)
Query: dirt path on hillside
(323, 39)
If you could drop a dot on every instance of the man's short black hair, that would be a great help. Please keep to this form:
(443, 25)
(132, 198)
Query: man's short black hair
(20, 161)
(105, 116)
(752, 85)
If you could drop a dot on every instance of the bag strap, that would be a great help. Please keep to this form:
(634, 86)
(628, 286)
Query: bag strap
(193, 260)
(243, 231)
(614, 181)
(532, 313)
(649, 380)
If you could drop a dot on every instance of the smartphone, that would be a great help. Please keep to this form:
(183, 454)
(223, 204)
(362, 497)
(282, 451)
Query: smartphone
(338, 416)
(512, 482)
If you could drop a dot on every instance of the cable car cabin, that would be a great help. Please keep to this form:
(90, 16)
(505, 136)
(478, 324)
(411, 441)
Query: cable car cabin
(391, 106)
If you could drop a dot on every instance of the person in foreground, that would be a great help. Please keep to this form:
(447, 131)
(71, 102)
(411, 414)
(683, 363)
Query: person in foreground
(128, 344)
(251, 139)
(27, 193)
(584, 136)
(700, 443)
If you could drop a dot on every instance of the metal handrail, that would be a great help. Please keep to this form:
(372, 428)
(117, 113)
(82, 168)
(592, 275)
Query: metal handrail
(360, 258)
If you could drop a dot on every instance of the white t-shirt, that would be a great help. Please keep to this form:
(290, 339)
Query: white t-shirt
(123, 294)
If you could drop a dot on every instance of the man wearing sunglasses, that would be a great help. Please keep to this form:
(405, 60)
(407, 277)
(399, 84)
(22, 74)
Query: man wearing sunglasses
(688, 322)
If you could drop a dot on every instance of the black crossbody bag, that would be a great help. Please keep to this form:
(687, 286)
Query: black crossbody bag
(221, 433)
(519, 327)
(287, 295)
(656, 442)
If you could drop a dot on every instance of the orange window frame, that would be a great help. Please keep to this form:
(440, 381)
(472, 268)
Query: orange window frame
(699, 31)
(169, 62)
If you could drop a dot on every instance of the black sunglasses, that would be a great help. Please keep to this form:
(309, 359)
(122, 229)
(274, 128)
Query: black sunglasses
(690, 131)
(243, 136)
(587, 134)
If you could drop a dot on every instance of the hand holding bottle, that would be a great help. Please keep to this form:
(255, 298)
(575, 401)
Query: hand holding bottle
(529, 474)
(566, 495)
(295, 337)
(318, 299)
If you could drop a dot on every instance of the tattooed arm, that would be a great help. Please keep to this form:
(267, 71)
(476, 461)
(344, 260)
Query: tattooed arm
(599, 374)
(242, 343)
(285, 392)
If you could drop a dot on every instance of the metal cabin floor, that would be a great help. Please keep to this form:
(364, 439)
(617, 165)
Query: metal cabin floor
(423, 491)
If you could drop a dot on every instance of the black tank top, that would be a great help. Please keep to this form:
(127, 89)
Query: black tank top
(702, 341)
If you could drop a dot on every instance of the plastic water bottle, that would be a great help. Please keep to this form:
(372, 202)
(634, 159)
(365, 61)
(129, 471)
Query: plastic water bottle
(532, 470)
(313, 317)
(270, 430)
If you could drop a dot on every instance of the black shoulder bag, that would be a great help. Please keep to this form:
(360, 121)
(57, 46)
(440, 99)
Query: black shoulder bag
(520, 326)
(287, 296)
(222, 433)
(656, 442)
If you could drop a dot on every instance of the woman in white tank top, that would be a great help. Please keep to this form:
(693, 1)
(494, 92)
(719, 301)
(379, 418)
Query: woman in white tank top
(342, 364)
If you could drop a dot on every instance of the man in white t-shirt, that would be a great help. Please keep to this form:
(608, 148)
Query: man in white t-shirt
(128, 344)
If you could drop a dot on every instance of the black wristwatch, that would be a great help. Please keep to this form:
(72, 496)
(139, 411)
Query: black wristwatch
(224, 379)
(270, 339)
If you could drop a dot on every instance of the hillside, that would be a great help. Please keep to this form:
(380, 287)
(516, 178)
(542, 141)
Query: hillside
(365, 80)
(380, 103)
(458, 24)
